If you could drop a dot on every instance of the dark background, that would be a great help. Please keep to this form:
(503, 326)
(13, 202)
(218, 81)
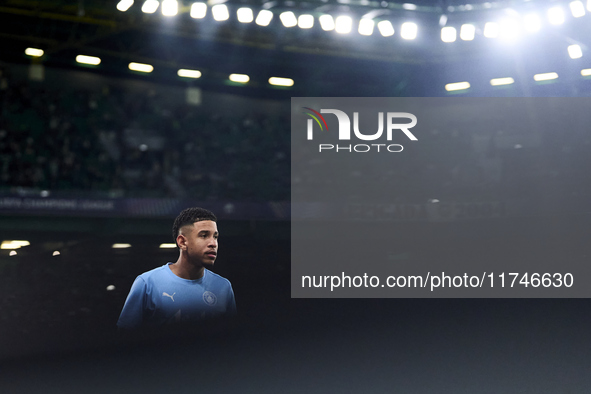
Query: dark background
(57, 327)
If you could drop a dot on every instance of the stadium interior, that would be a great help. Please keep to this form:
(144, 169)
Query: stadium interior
(118, 114)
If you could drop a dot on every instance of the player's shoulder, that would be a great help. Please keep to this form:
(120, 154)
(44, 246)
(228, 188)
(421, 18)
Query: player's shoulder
(154, 274)
(218, 278)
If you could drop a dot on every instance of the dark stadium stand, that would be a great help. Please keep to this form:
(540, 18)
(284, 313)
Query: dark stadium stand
(97, 155)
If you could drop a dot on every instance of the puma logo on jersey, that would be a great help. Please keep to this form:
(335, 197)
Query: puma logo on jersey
(168, 295)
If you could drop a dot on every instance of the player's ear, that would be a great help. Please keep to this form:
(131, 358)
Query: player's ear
(181, 242)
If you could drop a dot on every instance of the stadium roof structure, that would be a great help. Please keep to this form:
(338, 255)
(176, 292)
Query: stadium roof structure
(321, 62)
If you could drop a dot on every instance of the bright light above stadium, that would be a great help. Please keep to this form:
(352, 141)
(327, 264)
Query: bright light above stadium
(545, 77)
(220, 12)
(305, 21)
(575, 51)
(288, 19)
(502, 81)
(467, 32)
(198, 10)
(14, 244)
(276, 81)
(366, 26)
(577, 8)
(326, 22)
(343, 24)
(586, 72)
(532, 23)
(450, 87)
(124, 5)
(34, 52)
(386, 29)
(121, 246)
(556, 16)
(509, 29)
(150, 6)
(448, 34)
(245, 15)
(409, 6)
(589, 5)
(189, 73)
(491, 30)
(144, 68)
(92, 60)
(264, 18)
(170, 7)
(240, 78)
(409, 30)
(167, 246)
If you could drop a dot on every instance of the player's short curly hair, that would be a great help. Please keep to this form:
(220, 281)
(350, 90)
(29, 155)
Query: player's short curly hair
(190, 216)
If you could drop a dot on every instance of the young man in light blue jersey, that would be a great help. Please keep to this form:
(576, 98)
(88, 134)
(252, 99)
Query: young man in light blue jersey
(186, 290)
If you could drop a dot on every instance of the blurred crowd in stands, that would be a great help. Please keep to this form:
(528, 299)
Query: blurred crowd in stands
(124, 143)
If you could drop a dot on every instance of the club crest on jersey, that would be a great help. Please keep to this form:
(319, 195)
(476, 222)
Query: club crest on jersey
(209, 298)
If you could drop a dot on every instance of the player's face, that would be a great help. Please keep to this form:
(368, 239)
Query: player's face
(202, 243)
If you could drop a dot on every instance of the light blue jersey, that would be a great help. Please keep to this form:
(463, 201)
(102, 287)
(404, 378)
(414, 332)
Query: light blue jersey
(159, 297)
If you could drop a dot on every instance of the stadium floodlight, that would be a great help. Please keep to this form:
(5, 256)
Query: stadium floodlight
(586, 72)
(34, 52)
(220, 12)
(277, 81)
(56, 253)
(491, 30)
(467, 32)
(450, 87)
(366, 26)
(556, 15)
(264, 18)
(326, 22)
(141, 67)
(545, 77)
(150, 6)
(386, 29)
(502, 81)
(577, 8)
(509, 29)
(288, 19)
(121, 246)
(167, 246)
(244, 15)
(170, 7)
(409, 30)
(305, 21)
(14, 244)
(198, 10)
(92, 60)
(575, 51)
(532, 23)
(12, 253)
(343, 24)
(448, 34)
(589, 5)
(240, 78)
(185, 73)
(124, 5)
(409, 6)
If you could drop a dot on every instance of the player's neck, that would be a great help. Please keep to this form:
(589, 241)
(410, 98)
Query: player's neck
(184, 269)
